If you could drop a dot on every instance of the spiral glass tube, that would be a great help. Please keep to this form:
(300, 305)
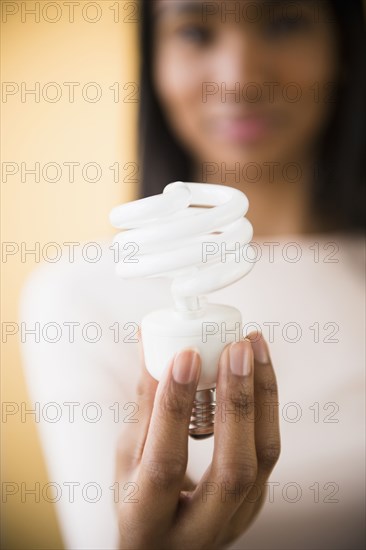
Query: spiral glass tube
(182, 234)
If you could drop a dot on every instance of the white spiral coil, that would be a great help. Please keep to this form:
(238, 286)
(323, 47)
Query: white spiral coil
(171, 235)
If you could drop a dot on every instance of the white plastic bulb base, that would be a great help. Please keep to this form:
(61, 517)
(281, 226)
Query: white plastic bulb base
(208, 330)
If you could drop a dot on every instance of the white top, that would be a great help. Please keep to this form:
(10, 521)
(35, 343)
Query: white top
(312, 314)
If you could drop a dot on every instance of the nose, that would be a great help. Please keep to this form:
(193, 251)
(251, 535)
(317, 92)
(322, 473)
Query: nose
(240, 63)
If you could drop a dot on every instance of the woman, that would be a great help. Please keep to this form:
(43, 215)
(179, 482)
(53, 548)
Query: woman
(265, 97)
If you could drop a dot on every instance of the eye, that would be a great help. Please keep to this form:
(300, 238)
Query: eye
(194, 34)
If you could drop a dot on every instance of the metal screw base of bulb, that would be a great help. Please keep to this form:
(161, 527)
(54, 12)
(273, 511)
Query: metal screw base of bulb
(203, 414)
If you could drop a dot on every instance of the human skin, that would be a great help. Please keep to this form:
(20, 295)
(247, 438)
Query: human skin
(169, 511)
(278, 58)
(190, 51)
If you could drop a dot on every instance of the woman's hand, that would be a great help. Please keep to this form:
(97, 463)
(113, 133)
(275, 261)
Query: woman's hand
(159, 506)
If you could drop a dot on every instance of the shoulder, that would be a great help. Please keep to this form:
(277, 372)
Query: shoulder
(81, 278)
(76, 319)
(83, 285)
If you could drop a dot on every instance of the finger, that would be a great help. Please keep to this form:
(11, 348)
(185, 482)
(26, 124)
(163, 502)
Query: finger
(234, 466)
(267, 431)
(133, 434)
(165, 455)
(267, 434)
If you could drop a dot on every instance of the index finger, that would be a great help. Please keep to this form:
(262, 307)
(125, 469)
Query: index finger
(267, 434)
(227, 480)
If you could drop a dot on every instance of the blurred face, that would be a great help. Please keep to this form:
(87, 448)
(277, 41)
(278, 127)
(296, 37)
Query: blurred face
(245, 81)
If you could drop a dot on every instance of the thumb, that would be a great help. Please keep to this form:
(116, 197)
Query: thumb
(132, 438)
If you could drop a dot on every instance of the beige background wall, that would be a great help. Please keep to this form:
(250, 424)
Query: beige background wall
(102, 132)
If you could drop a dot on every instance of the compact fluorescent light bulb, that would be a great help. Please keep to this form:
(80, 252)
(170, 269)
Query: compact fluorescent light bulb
(196, 234)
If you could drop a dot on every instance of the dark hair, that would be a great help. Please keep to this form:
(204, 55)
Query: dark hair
(338, 185)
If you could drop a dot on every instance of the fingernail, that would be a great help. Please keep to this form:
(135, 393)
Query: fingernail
(240, 358)
(186, 366)
(260, 350)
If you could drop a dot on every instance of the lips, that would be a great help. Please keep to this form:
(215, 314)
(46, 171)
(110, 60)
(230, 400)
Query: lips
(249, 128)
(244, 129)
